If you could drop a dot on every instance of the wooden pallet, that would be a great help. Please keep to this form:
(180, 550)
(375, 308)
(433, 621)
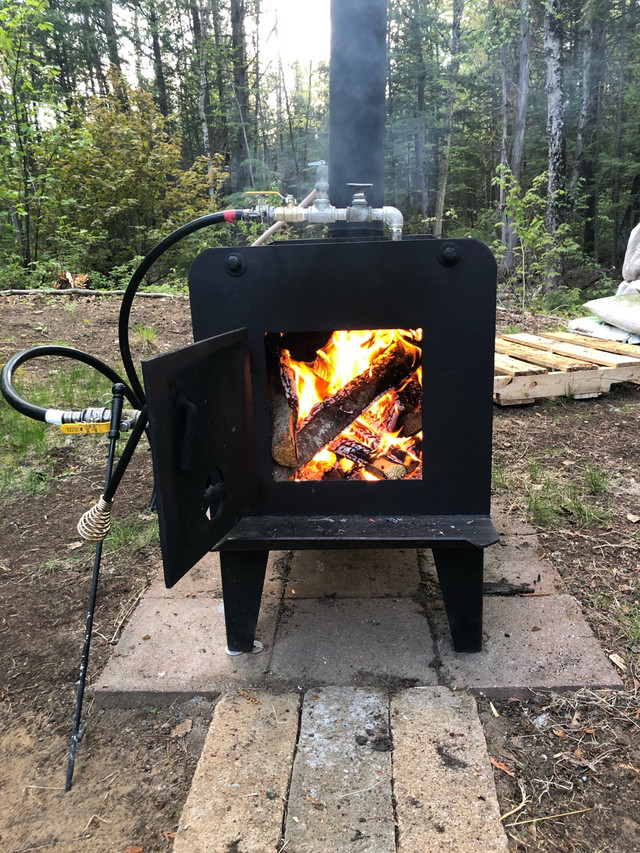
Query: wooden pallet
(559, 364)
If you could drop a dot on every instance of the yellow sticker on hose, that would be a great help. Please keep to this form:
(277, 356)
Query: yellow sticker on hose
(78, 429)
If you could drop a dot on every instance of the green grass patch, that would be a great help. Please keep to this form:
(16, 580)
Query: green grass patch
(550, 499)
(146, 335)
(630, 623)
(58, 383)
(596, 479)
(132, 533)
(500, 479)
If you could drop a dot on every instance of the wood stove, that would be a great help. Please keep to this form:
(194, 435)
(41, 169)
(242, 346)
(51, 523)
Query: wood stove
(211, 428)
(211, 405)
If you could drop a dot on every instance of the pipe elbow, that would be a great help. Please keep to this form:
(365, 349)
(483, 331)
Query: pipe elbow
(392, 217)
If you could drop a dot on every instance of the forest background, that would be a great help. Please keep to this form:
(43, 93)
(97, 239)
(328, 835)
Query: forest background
(514, 121)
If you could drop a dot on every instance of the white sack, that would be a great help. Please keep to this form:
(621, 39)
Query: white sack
(622, 311)
(594, 327)
(631, 265)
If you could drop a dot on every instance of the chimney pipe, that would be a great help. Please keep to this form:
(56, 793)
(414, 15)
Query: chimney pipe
(357, 112)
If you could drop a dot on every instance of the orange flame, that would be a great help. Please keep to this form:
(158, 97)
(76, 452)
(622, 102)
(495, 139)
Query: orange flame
(349, 354)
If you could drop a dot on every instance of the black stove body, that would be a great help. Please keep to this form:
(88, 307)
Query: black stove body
(210, 424)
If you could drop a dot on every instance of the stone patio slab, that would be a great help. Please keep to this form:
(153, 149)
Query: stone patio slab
(530, 643)
(341, 793)
(174, 643)
(239, 789)
(353, 641)
(353, 573)
(443, 782)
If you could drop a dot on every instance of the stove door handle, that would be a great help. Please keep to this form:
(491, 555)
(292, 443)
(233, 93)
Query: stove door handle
(189, 410)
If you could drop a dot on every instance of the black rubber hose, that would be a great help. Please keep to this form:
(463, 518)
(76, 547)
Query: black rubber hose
(141, 271)
(38, 413)
(126, 455)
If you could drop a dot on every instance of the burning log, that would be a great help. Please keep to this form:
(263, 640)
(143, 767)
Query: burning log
(410, 400)
(334, 414)
(284, 417)
(380, 466)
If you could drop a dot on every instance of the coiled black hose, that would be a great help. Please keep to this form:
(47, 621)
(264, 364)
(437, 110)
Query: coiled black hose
(134, 392)
(141, 271)
(39, 413)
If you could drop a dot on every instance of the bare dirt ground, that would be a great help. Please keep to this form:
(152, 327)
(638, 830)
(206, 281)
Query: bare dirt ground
(566, 767)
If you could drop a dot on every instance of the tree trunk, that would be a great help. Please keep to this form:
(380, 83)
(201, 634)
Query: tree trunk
(199, 25)
(158, 69)
(445, 152)
(524, 63)
(587, 40)
(110, 34)
(220, 142)
(617, 248)
(556, 205)
(292, 140)
(507, 262)
(517, 146)
(420, 137)
(241, 164)
(590, 160)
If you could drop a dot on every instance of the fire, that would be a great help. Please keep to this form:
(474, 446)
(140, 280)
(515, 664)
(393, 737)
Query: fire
(377, 444)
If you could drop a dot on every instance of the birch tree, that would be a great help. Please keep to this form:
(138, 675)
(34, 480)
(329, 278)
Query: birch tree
(556, 138)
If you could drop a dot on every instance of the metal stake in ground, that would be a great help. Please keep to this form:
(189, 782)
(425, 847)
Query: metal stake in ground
(77, 732)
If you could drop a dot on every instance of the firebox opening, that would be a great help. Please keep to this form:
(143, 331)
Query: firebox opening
(346, 405)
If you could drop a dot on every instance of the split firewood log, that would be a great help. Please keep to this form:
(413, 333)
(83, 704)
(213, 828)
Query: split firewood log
(283, 401)
(410, 401)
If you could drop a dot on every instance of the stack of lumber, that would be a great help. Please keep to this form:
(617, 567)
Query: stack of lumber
(559, 364)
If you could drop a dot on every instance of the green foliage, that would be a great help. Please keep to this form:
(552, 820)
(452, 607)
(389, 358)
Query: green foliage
(132, 533)
(536, 248)
(94, 170)
(596, 479)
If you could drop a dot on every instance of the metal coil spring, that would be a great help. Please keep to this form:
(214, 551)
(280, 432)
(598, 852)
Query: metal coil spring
(95, 524)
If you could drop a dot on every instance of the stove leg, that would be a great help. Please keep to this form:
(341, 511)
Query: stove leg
(460, 573)
(242, 581)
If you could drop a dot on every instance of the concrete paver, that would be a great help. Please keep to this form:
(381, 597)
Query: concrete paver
(442, 778)
(353, 574)
(239, 789)
(341, 791)
(353, 641)
(349, 624)
(175, 641)
(530, 643)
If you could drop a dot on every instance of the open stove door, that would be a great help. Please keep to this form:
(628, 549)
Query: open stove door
(202, 443)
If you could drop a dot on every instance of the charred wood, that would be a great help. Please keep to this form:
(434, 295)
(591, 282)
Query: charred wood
(410, 402)
(284, 416)
(379, 466)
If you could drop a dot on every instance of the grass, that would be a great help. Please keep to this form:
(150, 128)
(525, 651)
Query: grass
(500, 479)
(630, 623)
(552, 496)
(132, 533)
(25, 467)
(146, 335)
(596, 479)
